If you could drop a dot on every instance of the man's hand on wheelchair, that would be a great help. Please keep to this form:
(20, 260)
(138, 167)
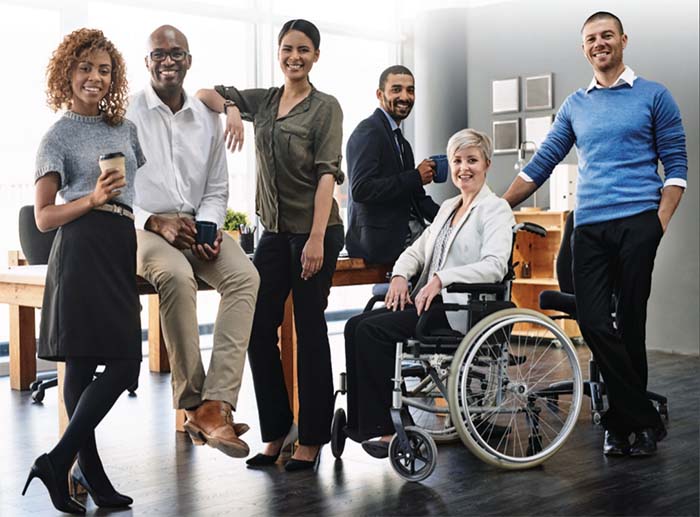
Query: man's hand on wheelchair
(427, 293)
(397, 296)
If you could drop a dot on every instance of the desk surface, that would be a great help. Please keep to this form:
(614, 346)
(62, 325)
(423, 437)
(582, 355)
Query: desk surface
(36, 275)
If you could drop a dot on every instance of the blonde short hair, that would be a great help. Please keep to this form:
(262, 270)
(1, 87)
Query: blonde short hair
(470, 138)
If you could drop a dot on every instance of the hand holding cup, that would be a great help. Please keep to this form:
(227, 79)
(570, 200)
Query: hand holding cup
(111, 180)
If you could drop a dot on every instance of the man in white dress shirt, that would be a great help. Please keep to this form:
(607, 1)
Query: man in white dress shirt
(186, 179)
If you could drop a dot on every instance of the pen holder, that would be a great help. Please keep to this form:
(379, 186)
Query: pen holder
(247, 242)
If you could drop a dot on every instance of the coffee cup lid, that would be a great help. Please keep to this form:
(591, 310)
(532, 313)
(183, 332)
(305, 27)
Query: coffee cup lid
(109, 156)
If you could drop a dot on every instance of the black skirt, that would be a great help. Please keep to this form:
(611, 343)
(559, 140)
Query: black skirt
(91, 305)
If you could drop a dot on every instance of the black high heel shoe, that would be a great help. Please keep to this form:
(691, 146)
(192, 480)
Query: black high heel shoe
(43, 469)
(264, 460)
(113, 500)
(294, 465)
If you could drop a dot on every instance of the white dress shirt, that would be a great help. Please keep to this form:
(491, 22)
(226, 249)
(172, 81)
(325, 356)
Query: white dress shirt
(186, 163)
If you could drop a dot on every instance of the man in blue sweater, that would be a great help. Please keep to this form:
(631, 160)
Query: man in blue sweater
(621, 125)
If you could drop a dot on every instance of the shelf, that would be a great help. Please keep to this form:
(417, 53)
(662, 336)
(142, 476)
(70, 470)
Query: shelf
(537, 281)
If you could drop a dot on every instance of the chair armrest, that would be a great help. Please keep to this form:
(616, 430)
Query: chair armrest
(499, 289)
(372, 302)
(531, 228)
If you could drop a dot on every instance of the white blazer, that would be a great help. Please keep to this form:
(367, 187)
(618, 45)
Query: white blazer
(477, 250)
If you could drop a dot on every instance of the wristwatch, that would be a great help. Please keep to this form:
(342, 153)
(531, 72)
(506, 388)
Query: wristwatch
(227, 104)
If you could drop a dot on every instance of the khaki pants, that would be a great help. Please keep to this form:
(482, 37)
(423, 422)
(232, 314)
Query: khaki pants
(172, 272)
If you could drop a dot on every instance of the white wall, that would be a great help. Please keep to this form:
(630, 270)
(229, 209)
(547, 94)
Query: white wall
(540, 36)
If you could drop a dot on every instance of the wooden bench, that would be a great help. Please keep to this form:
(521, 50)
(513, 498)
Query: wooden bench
(22, 288)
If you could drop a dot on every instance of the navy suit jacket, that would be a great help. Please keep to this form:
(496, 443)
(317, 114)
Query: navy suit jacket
(383, 192)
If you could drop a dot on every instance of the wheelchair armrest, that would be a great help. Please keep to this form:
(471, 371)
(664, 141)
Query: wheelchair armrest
(531, 228)
(372, 302)
(498, 289)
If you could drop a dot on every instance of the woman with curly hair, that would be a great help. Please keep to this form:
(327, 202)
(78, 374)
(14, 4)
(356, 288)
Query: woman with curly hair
(90, 314)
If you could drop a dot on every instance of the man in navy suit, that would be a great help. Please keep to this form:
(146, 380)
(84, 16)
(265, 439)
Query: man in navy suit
(387, 205)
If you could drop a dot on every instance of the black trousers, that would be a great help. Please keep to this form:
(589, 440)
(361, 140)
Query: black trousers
(617, 258)
(278, 260)
(370, 354)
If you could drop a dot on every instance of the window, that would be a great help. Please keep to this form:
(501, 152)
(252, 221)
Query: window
(232, 43)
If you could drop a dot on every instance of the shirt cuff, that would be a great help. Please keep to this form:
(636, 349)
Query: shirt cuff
(140, 218)
(525, 177)
(677, 182)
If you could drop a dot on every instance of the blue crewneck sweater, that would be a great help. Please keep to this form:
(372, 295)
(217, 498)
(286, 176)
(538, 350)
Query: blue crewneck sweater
(620, 134)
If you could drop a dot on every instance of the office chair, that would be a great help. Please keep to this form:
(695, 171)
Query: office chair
(36, 247)
(564, 301)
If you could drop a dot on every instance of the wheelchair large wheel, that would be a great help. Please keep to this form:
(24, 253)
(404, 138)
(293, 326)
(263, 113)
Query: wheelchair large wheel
(428, 407)
(417, 463)
(502, 392)
(338, 432)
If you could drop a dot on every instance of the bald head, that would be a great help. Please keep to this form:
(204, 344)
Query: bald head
(168, 59)
(167, 33)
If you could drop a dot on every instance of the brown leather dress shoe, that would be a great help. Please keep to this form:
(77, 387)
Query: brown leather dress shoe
(212, 423)
(239, 429)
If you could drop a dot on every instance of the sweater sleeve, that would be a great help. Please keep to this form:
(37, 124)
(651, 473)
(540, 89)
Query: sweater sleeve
(669, 138)
(556, 146)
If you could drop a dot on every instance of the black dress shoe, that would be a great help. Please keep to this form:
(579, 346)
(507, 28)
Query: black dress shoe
(376, 448)
(264, 460)
(111, 500)
(294, 465)
(60, 498)
(616, 444)
(661, 433)
(645, 442)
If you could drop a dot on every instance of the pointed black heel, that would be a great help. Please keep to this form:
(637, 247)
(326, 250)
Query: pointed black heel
(43, 469)
(263, 460)
(295, 465)
(113, 500)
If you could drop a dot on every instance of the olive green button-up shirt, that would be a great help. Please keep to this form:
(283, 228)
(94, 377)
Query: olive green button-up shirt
(292, 153)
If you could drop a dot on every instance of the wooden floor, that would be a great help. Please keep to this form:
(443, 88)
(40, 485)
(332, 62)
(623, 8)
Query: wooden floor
(167, 475)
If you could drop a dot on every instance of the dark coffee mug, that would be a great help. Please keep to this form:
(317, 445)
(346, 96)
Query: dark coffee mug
(246, 241)
(442, 169)
(206, 232)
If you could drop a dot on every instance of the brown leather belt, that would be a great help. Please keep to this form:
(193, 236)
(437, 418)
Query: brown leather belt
(116, 209)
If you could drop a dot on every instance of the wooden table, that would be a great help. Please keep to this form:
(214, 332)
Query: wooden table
(22, 288)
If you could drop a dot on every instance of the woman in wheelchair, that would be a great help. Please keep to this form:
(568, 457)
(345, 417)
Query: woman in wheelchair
(468, 242)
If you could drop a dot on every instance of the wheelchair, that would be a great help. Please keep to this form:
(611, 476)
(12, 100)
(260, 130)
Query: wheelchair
(494, 388)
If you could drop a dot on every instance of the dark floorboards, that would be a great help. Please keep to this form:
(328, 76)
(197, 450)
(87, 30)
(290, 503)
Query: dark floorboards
(167, 475)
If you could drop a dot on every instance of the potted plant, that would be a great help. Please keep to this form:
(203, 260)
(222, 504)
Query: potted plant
(232, 222)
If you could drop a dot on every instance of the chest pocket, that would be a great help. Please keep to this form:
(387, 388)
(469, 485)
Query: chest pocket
(297, 145)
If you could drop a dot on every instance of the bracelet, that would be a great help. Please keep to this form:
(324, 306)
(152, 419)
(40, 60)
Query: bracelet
(227, 104)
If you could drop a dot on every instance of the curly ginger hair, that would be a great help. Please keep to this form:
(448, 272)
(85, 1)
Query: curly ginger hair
(74, 47)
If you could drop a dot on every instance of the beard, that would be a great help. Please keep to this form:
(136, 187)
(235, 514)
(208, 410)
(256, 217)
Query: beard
(396, 112)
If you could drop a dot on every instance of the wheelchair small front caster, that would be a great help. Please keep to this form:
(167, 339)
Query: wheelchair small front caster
(417, 463)
(663, 411)
(596, 417)
(338, 433)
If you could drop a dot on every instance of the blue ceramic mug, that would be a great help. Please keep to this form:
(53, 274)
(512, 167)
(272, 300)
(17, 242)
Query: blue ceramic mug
(206, 232)
(442, 169)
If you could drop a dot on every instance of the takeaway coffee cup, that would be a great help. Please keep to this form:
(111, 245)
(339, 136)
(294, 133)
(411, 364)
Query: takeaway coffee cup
(206, 232)
(113, 161)
(441, 168)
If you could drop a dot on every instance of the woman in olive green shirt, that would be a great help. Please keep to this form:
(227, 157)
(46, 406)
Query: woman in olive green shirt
(298, 134)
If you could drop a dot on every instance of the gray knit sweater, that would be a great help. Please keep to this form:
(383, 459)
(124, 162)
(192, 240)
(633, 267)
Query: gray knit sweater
(72, 147)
